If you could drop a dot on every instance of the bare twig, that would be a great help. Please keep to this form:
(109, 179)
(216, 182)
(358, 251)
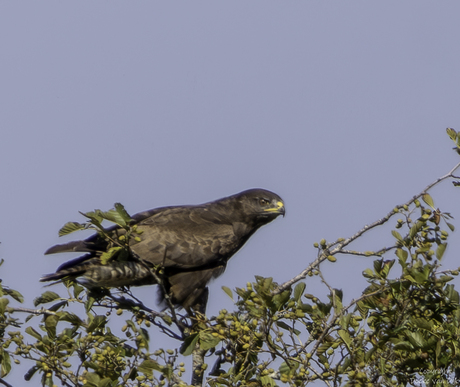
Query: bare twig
(368, 254)
(336, 316)
(129, 304)
(167, 299)
(5, 383)
(337, 247)
(37, 312)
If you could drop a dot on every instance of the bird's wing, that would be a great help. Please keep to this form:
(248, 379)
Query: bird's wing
(181, 237)
(186, 239)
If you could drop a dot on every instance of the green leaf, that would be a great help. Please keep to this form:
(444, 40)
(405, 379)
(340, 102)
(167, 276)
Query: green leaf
(71, 227)
(337, 303)
(143, 338)
(92, 379)
(189, 344)
(323, 347)
(444, 278)
(166, 318)
(368, 273)
(31, 331)
(298, 290)
(369, 353)
(264, 285)
(148, 366)
(58, 305)
(267, 381)
(114, 217)
(106, 382)
(363, 309)
(280, 299)
(397, 235)
(15, 294)
(50, 325)
(5, 363)
(416, 339)
(288, 369)
(451, 226)
(46, 297)
(452, 134)
(3, 304)
(452, 294)
(417, 276)
(208, 341)
(440, 250)
(378, 264)
(423, 324)
(95, 218)
(228, 291)
(345, 336)
(77, 288)
(70, 317)
(402, 256)
(89, 303)
(97, 322)
(387, 265)
(108, 255)
(344, 320)
(438, 349)
(428, 200)
(404, 346)
(283, 325)
(415, 229)
(122, 212)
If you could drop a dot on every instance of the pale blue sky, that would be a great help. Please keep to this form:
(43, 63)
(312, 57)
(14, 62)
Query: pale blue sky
(339, 107)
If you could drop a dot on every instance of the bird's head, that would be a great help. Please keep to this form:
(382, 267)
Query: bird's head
(262, 204)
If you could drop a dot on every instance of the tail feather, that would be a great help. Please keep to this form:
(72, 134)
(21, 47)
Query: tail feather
(89, 272)
(71, 269)
(76, 246)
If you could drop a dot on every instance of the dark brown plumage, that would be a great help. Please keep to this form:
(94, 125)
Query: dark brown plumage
(191, 243)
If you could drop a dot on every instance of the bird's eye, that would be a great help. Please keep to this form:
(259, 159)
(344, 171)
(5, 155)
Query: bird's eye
(264, 202)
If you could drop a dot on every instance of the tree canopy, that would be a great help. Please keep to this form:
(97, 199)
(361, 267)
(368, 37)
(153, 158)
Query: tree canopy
(403, 329)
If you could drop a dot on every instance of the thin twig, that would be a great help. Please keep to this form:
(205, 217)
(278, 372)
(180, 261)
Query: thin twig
(368, 254)
(129, 304)
(5, 383)
(340, 245)
(37, 312)
(336, 316)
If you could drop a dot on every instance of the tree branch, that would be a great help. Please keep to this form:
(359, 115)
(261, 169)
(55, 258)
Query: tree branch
(5, 383)
(130, 305)
(197, 365)
(340, 244)
(37, 312)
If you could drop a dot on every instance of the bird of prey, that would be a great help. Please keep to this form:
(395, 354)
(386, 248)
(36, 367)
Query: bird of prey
(191, 244)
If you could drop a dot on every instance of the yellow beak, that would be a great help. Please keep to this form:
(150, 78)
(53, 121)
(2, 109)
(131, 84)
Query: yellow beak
(279, 208)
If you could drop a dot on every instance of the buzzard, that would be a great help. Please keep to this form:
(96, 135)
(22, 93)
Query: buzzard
(191, 244)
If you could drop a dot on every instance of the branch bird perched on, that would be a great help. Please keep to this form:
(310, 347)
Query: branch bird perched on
(192, 244)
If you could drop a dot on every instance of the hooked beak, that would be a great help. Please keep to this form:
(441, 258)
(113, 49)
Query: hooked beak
(280, 209)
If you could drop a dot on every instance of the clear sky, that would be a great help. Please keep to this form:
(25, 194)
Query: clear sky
(340, 107)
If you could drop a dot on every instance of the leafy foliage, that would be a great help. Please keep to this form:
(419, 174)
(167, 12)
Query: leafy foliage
(403, 329)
